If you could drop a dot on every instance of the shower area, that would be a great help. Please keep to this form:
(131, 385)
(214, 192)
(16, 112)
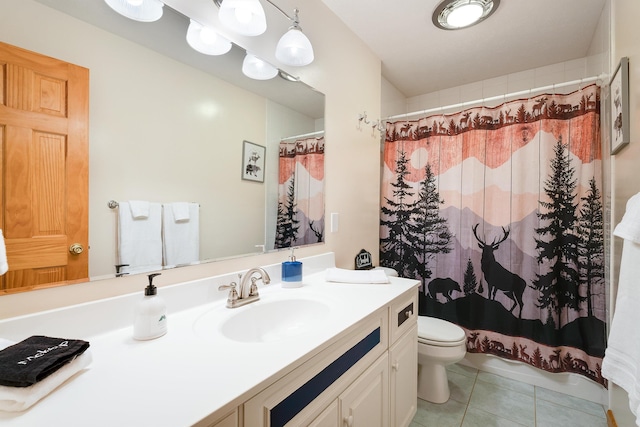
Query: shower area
(498, 206)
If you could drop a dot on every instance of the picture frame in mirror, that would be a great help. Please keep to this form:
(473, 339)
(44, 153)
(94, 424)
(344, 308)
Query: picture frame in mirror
(619, 99)
(253, 161)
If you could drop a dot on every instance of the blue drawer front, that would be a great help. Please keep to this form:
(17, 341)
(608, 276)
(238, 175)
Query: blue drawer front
(284, 411)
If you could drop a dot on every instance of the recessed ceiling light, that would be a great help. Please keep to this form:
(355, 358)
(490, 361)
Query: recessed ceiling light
(457, 14)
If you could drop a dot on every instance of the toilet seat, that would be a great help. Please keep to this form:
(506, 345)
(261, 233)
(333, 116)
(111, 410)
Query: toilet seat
(438, 332)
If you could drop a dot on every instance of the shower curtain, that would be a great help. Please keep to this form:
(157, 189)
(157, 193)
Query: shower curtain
(498, 212)
(300, 219)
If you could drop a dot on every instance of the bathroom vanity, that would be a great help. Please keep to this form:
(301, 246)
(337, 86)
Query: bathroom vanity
(325, 354)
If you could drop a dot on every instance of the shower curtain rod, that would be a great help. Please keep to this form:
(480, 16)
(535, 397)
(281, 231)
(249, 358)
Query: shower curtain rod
(498, 97)
(303, 135)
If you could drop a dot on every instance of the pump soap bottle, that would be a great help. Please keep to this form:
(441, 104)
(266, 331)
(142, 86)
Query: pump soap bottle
(291, 272)
(150, 314)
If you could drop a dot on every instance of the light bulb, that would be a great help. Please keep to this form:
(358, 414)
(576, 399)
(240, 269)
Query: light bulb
(243, 15)
(465, 15)
(208, 36)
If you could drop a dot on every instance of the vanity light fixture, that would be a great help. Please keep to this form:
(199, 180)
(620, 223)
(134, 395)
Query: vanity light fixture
(138, 10)
(294, 48)
(206, 40)
(257, 69)
(244, 17)
(458, 14)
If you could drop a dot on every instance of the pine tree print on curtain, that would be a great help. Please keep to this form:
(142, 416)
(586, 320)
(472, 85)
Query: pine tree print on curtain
(300, 216)
(498, 212)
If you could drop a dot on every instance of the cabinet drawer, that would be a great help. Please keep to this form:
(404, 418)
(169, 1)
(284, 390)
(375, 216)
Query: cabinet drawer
(403, 314)
(306, 391)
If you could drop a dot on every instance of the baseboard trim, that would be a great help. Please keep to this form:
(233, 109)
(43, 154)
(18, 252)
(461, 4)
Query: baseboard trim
(611, 420)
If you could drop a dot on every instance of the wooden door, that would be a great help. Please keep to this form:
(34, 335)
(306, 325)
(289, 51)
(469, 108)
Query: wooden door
(44, 114)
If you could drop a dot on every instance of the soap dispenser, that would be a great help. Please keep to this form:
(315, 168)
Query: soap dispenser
(150, 314)
(291, 272)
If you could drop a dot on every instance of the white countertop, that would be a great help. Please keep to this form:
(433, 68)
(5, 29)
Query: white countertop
(183, 377)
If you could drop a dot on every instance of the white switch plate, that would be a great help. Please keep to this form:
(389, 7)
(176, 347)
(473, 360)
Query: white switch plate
(335, 222)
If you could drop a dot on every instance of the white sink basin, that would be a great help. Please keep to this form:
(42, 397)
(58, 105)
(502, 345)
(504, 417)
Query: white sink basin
(265, 320)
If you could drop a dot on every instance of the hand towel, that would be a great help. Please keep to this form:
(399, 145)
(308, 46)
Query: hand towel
(14, 399)
(180, 211)
(629, 227)
(181, 238)
(35, 358)
(4, 266)
(140, 240)
(139, 209)
(356, 276)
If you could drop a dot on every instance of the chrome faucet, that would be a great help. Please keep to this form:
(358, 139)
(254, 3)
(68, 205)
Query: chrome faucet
(248, 292)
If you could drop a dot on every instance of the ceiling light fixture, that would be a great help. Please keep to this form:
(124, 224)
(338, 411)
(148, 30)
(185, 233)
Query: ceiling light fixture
(294, 48)
(206, 40)
(457, 14)
(138, 10)
(255, 68)
(244, 17)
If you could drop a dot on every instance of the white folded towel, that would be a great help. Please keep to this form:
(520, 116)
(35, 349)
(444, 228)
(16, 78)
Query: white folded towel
(140, 240)
(14, 399)
(139, 209)
(355, 276)
(629, 227)
(180, 211)
(621, 363)
(181, 237)
(4, 266)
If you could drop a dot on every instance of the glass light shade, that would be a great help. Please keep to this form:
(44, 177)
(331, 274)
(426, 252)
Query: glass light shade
(206, 40)
(257, 69)
(294, 48)
(465, 15)
(138, 10)
(244, 17)
(458, 14)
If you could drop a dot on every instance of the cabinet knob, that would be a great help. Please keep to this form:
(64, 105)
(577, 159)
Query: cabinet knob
(408, 313)
(348, 421)
(395, 366)
(76, 249)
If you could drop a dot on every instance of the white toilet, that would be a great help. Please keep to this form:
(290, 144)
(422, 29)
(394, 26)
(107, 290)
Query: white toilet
(440, 343)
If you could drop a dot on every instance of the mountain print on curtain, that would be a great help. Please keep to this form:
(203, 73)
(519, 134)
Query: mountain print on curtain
(498, 212)
(300, 219)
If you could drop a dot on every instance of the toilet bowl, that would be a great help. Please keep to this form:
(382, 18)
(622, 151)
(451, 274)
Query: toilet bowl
(440, 343)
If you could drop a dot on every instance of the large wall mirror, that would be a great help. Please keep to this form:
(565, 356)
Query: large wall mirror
(168, 124)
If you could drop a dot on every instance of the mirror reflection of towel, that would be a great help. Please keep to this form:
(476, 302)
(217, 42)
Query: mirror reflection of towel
(140, 240)
(4, 266)
(181, 233)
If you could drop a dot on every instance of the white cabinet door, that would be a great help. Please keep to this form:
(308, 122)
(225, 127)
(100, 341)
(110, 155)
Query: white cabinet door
(328, 417)
(403, 361)
(366, 402)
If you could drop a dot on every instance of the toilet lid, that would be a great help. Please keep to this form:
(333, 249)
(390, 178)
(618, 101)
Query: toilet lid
(437, 331)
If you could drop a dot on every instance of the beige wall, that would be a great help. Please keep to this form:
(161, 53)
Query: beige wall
(344, 70)
(624, 165)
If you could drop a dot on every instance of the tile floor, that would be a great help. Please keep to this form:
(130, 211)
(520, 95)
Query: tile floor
(481, 399)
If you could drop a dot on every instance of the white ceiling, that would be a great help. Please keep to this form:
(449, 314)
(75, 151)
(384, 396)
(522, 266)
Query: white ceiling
(418, 58)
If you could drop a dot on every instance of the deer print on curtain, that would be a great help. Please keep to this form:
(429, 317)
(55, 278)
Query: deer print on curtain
(300, 218)
(498, 212)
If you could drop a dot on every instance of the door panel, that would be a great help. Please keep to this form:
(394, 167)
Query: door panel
(44, 137)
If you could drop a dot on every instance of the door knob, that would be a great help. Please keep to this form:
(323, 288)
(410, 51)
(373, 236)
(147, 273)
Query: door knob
(76, 249)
